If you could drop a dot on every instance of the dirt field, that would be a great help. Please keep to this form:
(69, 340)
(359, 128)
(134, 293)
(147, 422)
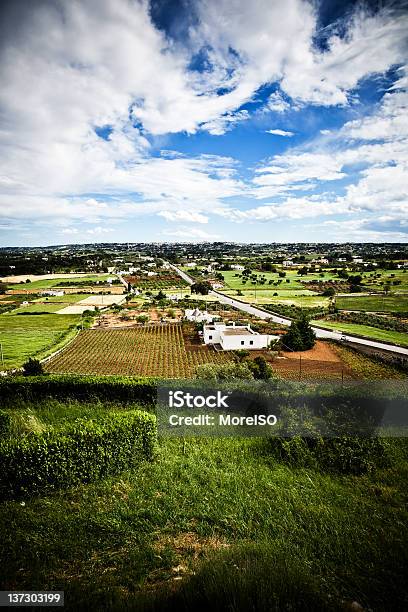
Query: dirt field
(321, 361)
(89, 303)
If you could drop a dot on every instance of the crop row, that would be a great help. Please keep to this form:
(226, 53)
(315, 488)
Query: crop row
(152, 350)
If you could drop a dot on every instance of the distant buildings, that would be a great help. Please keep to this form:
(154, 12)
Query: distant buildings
(52, 292)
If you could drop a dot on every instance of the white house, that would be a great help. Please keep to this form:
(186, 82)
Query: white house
(53, 293)
(233, 337)
(287, 263)
(237, 267)
(197, 316)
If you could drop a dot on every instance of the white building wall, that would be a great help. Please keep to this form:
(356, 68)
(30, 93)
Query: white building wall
(244, 341)
(212, 336)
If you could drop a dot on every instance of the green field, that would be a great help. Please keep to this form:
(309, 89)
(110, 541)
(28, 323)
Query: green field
(366, 330)
(370, 282)
(299, 538)
(266, 296)
(373, 303)
(53, 282)
(52, 304)
(24, 336)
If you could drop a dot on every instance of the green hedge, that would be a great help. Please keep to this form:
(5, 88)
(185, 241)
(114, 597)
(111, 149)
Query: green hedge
(115, 388)
(82, 451)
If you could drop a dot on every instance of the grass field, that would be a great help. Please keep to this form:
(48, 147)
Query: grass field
(151, 350)
(299, 297)
(374, 303)
(365, 330)
(24, 336)
(131, 541)
(372, 281)
(53, 282)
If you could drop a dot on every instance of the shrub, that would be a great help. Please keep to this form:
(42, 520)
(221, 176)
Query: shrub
(33, 367)
(82, 451)
(343, 454)
(260, 369)
(119, 388)
(226, 371)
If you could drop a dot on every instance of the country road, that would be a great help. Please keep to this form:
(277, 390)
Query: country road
(319, 331)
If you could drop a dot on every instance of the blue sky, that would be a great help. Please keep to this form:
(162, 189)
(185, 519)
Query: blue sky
(124, 120)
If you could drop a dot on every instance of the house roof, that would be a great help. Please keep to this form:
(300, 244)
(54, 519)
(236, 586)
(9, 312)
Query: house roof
(237, 332)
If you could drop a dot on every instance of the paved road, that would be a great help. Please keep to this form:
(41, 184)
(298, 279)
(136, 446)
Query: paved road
(319, 331)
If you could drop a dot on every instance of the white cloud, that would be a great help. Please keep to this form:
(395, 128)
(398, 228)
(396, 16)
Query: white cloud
(277, 103)
(183, 215)
(75, 66)
(280, 133)
(190, 234)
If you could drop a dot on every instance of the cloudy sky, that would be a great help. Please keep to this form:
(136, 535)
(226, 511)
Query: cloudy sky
(174, 120)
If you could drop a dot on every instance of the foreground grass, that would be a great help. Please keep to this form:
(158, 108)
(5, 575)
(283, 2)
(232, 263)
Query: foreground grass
(136, 539)
(365, 330)
(24, 336)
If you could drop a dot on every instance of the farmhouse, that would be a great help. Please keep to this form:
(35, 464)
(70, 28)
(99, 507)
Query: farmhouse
(233, 337)
(287, 263)
(197, 316)
(216, 284)
(53, 293)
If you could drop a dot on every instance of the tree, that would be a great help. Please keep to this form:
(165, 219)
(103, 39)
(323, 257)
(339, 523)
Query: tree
(260, 369)
(160, 296)
(142, 319)
(329, 292)
(33, 367)
(300, 336)
(3, 288)
(202, 287)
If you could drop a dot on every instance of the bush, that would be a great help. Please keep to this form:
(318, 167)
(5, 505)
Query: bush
(33, 367)
(5, 423)
(226, 371)
(82, 451)
(344, 454)
(115, 388)
(260, 369)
